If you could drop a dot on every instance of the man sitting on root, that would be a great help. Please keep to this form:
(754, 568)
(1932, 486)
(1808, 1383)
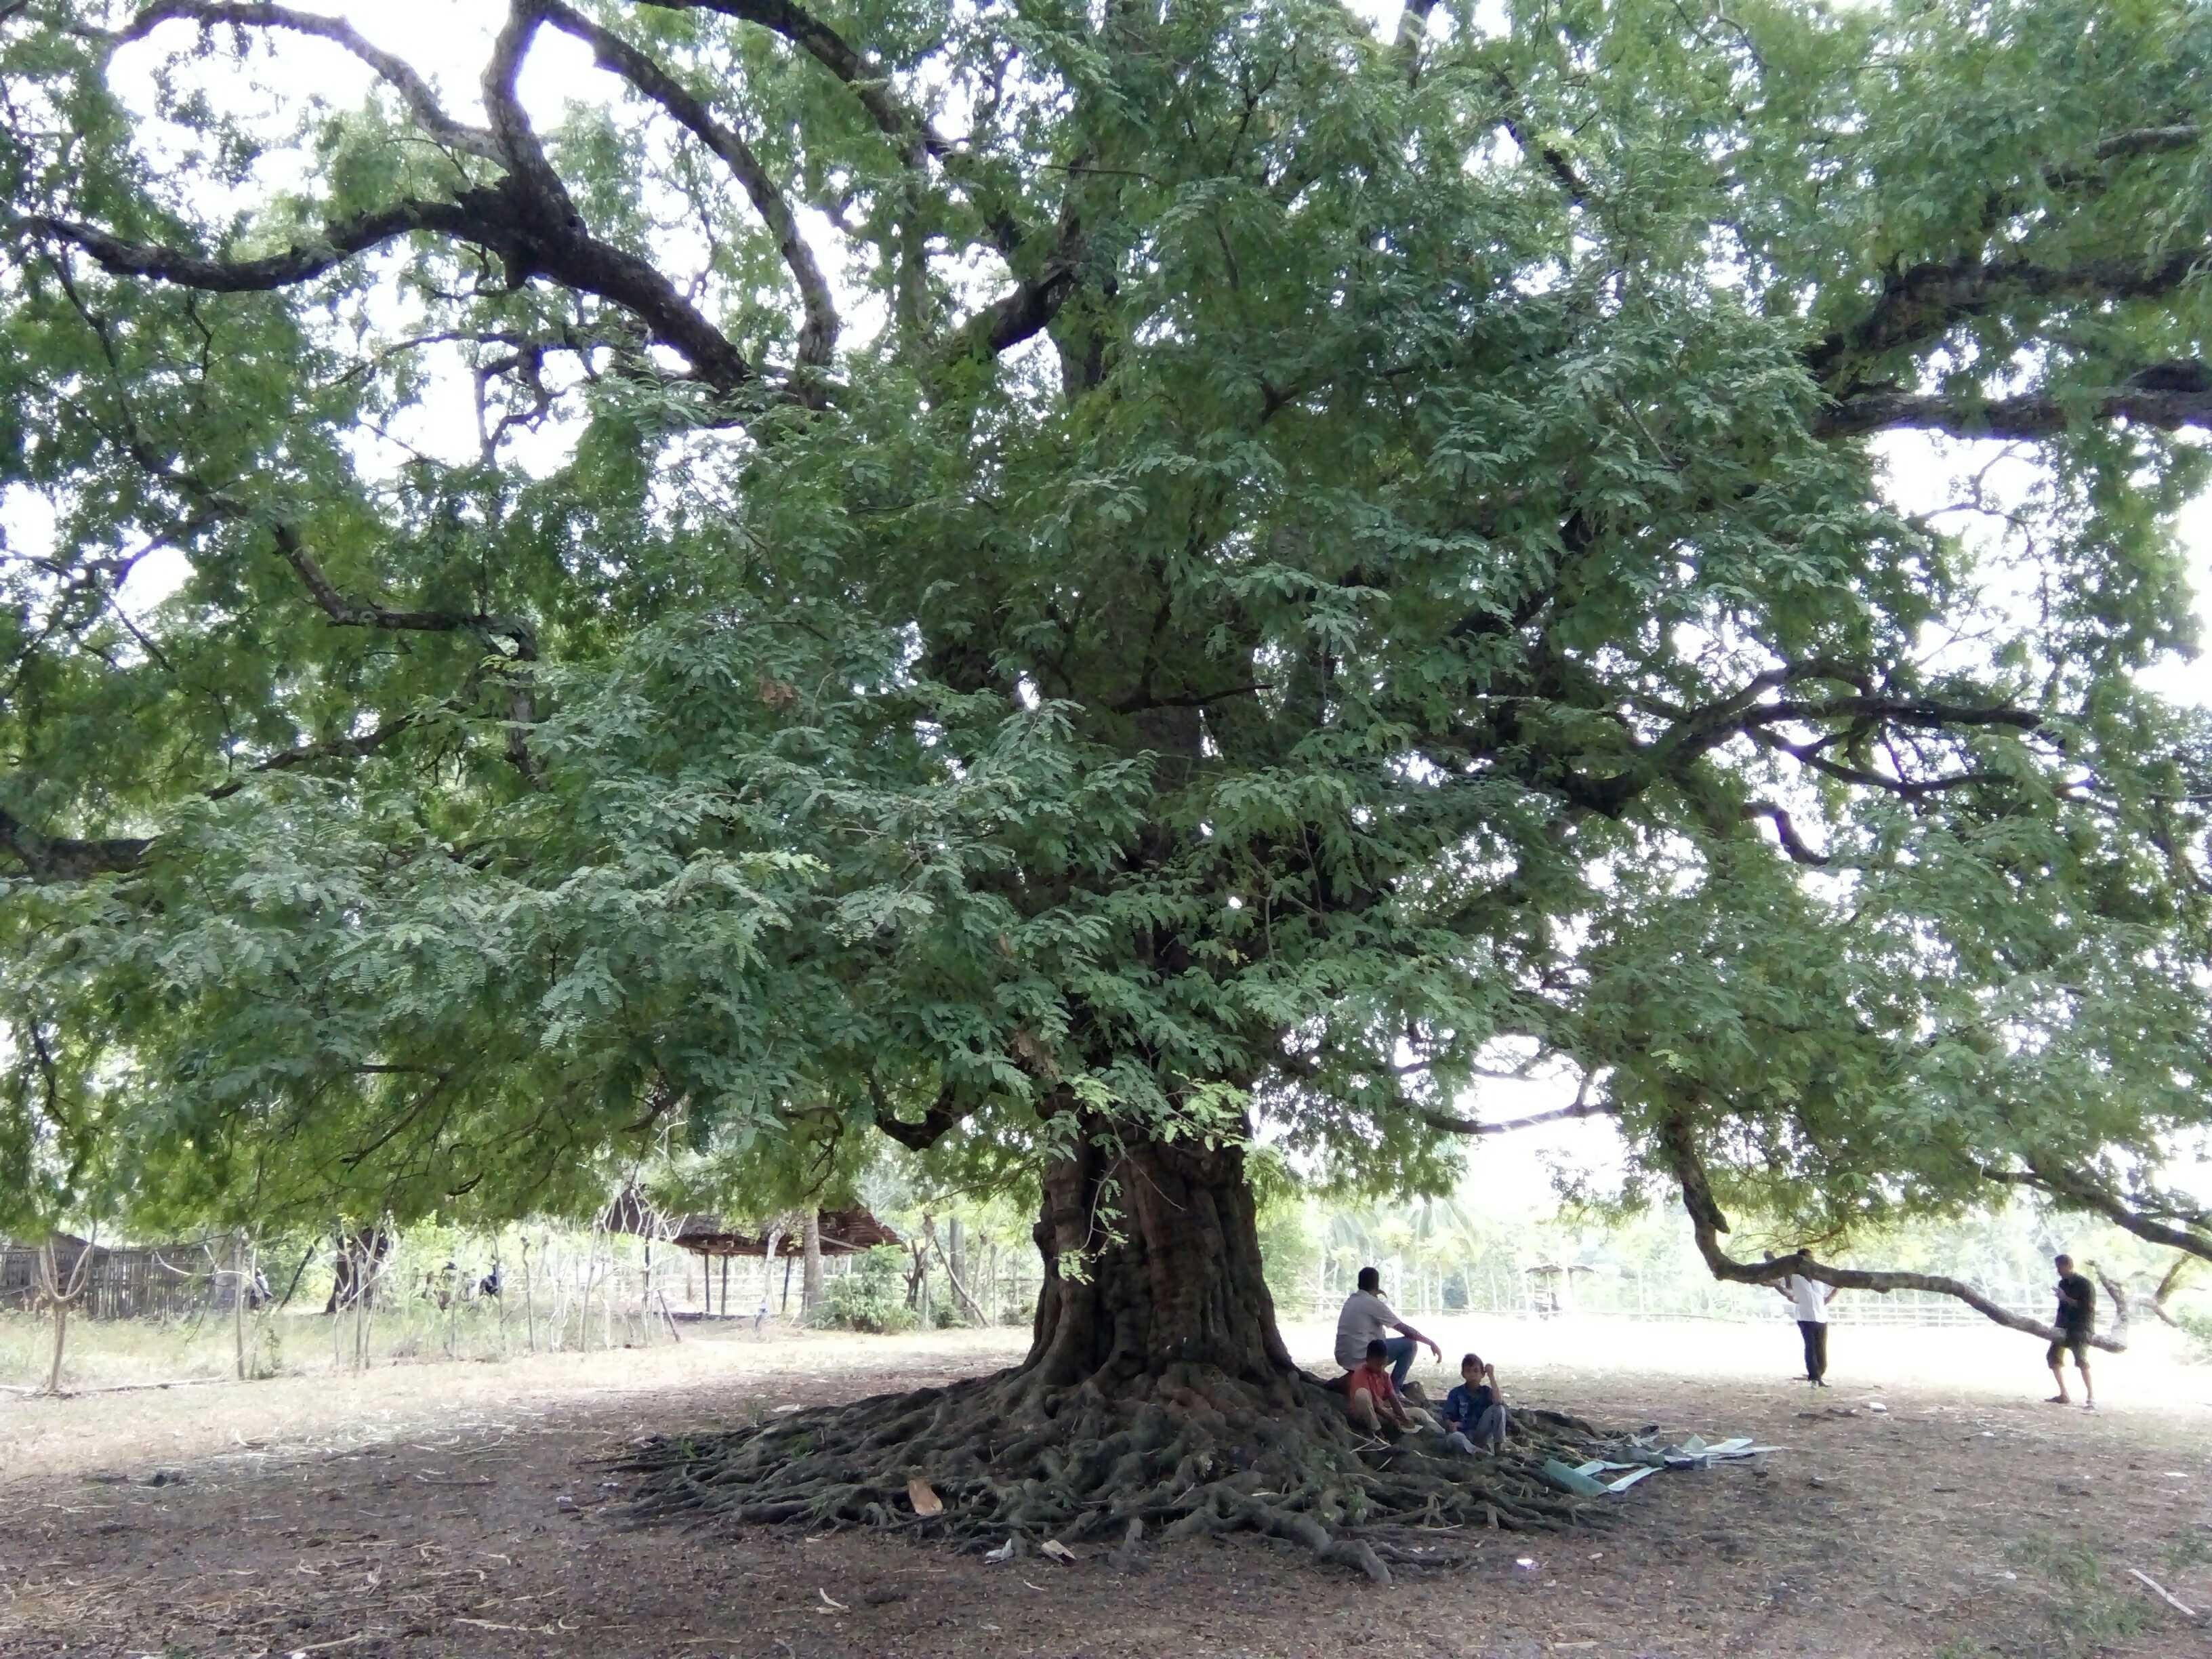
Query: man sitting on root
(1371, 1396)
(1363, 1319)
(1475, 1413)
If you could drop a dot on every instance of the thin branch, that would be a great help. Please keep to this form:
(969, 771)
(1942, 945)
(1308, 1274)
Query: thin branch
(1137, 703)
(340, 749)
(1467, 1125)
(1785, 830)
(359, 613)
(415, 92)
(915, 136)
(818, 338)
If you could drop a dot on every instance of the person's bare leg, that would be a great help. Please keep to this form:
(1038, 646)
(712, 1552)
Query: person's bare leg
(2058, 1375)
(1361, 1405)
(2088, 1388)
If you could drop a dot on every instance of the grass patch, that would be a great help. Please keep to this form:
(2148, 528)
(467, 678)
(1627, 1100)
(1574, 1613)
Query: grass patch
(2089, 1608)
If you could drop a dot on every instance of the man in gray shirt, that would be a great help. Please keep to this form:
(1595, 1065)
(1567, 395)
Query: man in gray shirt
(1366, 1315)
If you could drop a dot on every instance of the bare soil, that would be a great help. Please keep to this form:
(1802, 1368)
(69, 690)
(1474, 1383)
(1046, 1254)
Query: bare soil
(452, 1509)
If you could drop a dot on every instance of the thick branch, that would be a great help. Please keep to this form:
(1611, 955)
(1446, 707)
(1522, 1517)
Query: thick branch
(340, 241)
(2029, 416)
(944, 1115)
(59, 858)
(1919, 306)
(527, 220)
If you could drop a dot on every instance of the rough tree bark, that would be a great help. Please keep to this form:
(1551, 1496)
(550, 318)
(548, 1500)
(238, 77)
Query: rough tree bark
(1170, 1288)
(1156, 1396)
(810, 1276)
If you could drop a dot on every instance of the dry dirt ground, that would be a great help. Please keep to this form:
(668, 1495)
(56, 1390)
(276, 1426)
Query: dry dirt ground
(452, 1509)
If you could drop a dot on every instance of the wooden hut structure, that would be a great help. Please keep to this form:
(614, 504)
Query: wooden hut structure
(1551, 1287)
(713, 1239)
(125, 1281)
(720, 1239)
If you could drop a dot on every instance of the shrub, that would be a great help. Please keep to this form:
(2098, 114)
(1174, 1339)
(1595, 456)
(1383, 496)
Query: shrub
(870, 1297)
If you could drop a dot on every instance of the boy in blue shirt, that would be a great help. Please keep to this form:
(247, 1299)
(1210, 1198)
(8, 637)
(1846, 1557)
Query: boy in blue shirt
(1475, 1413)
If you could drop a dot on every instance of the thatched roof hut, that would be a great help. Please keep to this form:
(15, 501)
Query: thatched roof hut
(844, 1232)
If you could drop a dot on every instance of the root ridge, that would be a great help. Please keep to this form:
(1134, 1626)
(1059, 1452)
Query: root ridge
(1167, 1459)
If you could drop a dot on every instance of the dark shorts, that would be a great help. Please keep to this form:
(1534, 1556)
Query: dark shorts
(2077, 1342)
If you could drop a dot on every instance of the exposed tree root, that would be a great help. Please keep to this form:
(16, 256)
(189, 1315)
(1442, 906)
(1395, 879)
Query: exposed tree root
(1174, 1456)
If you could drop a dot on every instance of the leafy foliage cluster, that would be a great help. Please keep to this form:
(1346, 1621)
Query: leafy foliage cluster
(1276, 572)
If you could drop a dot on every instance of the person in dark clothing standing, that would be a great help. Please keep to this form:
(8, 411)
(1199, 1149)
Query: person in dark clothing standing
(2076, 1321)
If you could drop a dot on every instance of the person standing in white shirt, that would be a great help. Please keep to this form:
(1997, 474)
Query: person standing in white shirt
(1810, 1299)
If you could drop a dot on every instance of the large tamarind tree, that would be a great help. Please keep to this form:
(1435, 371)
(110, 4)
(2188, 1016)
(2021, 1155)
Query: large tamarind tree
(1068, 584)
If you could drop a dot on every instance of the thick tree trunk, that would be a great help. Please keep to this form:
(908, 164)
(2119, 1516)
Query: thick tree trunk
(1168, 1288)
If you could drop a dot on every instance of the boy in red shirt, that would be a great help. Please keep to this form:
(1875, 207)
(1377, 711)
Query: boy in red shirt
(1373, 1400)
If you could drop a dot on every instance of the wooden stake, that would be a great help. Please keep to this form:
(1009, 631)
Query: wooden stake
(2159, 1591)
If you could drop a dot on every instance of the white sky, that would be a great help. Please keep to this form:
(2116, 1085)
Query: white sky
(448, 39)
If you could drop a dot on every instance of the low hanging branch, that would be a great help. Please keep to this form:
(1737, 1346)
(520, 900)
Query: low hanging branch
(1679, 1149)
